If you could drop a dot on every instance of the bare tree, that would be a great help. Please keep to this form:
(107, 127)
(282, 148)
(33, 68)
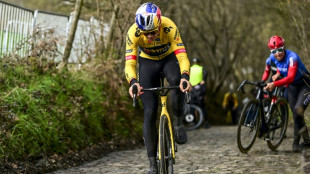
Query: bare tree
(76, 16)
(298, 14)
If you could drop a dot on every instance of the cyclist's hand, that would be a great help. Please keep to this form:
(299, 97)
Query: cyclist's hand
(270, 86)
(275, 77)
(189, 86)
(138, 87)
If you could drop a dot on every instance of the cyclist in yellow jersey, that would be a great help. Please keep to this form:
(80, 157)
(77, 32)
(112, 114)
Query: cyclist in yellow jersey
(154, 41)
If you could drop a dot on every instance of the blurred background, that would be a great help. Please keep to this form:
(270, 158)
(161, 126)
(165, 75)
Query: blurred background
(229, 36)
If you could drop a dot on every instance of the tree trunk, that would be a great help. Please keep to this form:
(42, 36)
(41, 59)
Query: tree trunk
(108, 43)
(76, 16)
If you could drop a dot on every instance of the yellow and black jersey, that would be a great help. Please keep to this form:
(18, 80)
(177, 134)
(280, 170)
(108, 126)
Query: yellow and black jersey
(167, 42)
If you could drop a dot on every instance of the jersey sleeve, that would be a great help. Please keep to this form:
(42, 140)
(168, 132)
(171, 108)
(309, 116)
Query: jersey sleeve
(291, 73)
(131, 55)
(267, 70)
(224, 104)
(235, 101)
(178, 48)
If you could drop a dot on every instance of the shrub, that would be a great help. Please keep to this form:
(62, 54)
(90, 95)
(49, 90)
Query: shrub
(45, 111)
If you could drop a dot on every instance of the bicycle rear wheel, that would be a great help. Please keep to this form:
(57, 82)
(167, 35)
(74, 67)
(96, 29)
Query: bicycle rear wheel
(248, 126)
(165, 145)
(277, 124)
(193, 118)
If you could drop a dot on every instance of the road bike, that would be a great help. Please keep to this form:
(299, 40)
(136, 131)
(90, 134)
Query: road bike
(193, 113)
(263, 117)
(166, 141)
(193, 116)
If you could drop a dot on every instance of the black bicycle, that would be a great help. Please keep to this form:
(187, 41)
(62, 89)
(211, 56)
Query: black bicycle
(193, 117)
(263, 117)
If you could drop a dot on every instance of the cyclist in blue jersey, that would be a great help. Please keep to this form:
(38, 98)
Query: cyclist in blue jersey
(290, 66)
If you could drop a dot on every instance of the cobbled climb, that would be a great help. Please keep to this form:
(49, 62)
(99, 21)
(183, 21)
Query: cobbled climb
(212, 150)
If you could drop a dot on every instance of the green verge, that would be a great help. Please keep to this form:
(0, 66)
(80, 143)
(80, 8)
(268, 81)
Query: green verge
(45, 111)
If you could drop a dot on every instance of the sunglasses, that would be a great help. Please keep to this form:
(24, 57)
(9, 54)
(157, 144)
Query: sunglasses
(280, 50)
(150, 33)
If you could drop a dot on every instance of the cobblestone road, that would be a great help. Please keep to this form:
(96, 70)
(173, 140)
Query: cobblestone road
(212, 150)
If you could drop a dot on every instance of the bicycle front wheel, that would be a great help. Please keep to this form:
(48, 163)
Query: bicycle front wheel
(193, 118)
(165, 145)
(248, 126)
(277, 124)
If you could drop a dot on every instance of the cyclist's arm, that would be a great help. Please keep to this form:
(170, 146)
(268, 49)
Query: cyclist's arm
(131, 55)
(179, 50)
(267, 71)
(276, 76)
(291, 73)
(205, 74)
(236, 104)
(225, 100)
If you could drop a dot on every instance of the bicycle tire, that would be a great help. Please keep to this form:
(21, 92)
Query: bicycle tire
(248, 126)
(165, 145)
(193, 118)
(278, 124)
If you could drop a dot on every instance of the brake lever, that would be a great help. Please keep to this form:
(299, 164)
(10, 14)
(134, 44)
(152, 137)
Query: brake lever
(134, 99)
(241, 87)
(187, 97)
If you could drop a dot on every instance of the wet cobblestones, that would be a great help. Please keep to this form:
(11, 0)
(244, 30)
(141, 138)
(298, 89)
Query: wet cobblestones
(212, 150)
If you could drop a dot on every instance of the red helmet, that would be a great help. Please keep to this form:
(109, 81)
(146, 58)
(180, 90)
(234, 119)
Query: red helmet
(275, 42)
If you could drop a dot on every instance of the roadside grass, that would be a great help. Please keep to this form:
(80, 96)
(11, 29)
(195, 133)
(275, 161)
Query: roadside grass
(45, 111)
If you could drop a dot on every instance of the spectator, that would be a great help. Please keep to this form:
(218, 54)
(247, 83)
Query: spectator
(230, 105)
(198, 76)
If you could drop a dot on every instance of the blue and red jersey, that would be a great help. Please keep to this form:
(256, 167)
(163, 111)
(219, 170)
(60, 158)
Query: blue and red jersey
(290, 67)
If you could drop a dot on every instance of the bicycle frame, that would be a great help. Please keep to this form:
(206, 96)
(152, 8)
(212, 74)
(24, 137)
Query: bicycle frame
(164, 112)
(164, 120)
(274, 119)
(260, 97)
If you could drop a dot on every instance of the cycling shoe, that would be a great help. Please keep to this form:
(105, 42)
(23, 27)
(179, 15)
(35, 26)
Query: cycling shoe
(180, 133)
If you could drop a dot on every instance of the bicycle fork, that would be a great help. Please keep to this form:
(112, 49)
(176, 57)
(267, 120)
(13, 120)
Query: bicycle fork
(165, 112)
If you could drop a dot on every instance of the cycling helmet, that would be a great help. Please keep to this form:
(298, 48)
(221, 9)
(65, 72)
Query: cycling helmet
(148, 17)
(275, 42)
(196, 60)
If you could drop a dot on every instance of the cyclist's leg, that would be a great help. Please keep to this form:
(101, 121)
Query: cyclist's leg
(234, 116)
(171, 70)
(300, 108)
(149, 77)
(294, 99)
(203, 108)
(201, 103)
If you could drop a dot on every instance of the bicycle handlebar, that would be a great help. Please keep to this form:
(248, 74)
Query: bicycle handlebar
(135, 91)
(257, 84)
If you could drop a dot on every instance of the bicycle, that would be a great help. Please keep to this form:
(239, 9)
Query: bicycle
(271, 112)
(166, 142)
(193, 116)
